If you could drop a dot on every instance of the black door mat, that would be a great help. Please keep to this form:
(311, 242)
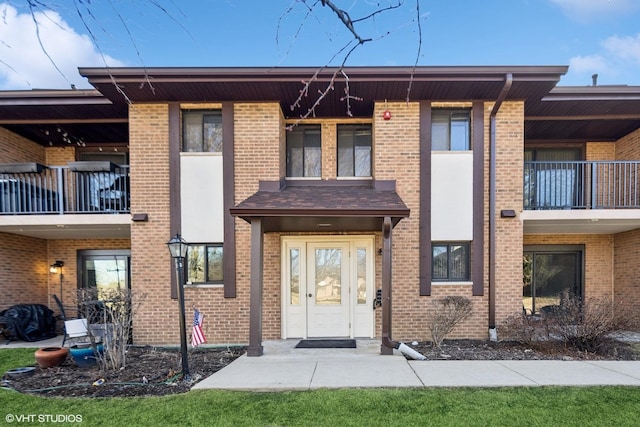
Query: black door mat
(326, 344)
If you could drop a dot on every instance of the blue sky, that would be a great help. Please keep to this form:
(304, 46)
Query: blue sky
(591, 36)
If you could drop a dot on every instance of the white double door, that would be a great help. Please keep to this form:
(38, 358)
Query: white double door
(328, 287)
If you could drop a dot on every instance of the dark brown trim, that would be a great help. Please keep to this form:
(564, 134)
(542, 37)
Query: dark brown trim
(583, 117)
(255, 293)
(175, 221)
(425, 199)
(387, 231)
(290, 212)
(228, 176)
(477, 262)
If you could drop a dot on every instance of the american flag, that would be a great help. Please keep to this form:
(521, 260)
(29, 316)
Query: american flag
(197, 336)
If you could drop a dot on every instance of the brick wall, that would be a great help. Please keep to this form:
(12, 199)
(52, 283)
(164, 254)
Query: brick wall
(627, 275)
(509, 185)
(151, 264)
(25, 271)
(598, 253)
(259, 134)
(16, 149)
(627, 246)
(603, 151)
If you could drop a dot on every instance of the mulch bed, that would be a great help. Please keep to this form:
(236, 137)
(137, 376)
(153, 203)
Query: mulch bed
(509, 350)
(157, 372)
(149, 372)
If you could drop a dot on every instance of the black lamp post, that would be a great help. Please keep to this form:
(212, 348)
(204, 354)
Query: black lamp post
(178, 248)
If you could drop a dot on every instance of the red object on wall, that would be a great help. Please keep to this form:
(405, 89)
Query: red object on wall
(386, 115)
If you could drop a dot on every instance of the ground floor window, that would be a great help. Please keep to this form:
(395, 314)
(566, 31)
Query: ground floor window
(450, 261)
(549, 271)
(104, 269)
(204, 264)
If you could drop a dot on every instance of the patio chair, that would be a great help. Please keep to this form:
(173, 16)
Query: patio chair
(73, 328)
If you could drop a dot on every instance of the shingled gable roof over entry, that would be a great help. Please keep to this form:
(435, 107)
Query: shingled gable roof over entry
(323, 206)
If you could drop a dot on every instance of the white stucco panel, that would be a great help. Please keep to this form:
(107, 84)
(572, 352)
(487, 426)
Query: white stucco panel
(201, 193)
(452, 196)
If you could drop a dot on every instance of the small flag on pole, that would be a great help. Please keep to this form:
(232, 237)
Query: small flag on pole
(197, 336)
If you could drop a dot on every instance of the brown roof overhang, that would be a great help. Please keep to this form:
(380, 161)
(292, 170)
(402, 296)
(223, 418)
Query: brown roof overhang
(44, 116)
(283, 85)
(323, 206)
(583, 113)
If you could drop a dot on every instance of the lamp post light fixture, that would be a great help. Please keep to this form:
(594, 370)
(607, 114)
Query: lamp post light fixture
(56, 268)
(178, 248)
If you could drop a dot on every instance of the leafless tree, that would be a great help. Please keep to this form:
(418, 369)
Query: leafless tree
(356, 29)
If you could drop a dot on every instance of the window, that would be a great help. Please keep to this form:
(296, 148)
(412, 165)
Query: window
(304, 152)
(450, 130)
(202, 131)
(204, 264)
(354, 150)
(548, 272)
(450, 262)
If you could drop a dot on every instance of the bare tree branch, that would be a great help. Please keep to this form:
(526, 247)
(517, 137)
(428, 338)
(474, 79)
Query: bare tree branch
(34, 4)
(415, 64)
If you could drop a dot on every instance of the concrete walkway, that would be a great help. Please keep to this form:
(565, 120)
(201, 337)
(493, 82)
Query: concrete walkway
(283, 367)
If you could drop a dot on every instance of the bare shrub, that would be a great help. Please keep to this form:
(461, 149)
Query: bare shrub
(578, 324)
(444, 314)
(110, 313)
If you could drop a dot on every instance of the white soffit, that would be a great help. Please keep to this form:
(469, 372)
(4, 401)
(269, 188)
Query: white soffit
(596, 221)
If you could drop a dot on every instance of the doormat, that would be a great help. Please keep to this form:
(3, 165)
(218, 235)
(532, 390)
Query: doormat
(326, 344)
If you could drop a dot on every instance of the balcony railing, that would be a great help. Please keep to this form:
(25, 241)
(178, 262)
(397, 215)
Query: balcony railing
(582, 185)
(60, 190)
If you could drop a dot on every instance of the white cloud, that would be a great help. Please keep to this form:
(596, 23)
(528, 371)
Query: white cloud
(626, 49)
(24, 64)
(582, 68)
(589, 10)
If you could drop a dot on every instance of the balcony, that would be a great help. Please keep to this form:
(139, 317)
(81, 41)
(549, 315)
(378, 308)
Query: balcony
(581, 185)
(80, 188)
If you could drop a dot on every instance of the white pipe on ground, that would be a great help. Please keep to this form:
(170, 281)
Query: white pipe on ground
(409, 352)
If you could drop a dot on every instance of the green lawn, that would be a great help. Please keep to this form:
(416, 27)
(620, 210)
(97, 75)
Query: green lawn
(522, 406)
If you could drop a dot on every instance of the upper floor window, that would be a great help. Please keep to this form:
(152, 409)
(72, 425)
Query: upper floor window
(450, 261)
(304, 151)
(354, 150)
(450, 130)
(202, 131)
(204, 263)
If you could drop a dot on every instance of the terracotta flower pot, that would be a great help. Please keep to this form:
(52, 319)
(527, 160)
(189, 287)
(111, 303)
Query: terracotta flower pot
(48, 357)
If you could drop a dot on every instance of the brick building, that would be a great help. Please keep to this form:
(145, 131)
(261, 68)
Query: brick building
(302, 211)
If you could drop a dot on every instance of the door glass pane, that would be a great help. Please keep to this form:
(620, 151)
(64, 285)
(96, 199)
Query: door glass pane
(527, 282)
(294, 276)
(362, 275)
(105, 274)
(328, 276)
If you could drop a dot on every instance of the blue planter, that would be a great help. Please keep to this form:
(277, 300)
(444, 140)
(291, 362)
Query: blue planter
(84, 355)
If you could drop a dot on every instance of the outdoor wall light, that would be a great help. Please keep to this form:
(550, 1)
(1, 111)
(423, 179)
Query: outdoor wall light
(56, 267)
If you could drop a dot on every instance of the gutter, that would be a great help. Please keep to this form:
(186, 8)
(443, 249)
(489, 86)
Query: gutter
(493, 335)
